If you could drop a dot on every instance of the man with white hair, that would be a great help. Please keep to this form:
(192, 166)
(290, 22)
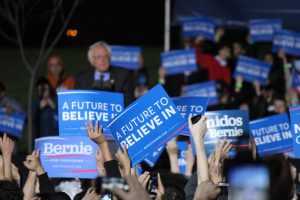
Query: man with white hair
(103, 76)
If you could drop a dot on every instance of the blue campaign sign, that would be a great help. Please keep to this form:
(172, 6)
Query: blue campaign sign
(195, 26)
(182, 148)
(147, 124)
(262, 30)
(125, 56)
(12, 124)
(179, 61)
(296, 74)
(68, 157)
(252, 70)
(189, 107)
(205, 89)
(295, 127)
(76, 107)
(272, 134)
(289, 41)
(154, 156)
(229, 125)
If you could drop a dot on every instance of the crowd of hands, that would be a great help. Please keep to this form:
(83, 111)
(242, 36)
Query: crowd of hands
(209, 170)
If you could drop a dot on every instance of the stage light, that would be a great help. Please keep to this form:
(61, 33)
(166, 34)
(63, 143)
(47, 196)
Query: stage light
(72, 32)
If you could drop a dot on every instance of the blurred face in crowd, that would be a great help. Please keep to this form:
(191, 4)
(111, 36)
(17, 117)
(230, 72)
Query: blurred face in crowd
(224, 53)
(55, 66)
(269, 58)
(237, 49)
(100, 58)
(279, 106)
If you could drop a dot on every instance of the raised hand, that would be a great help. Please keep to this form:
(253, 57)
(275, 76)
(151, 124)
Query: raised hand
(91, 195)
(100, 163)
(207, 191)
(124, 161)
(95, 133)
(33, 163)
(6, 146)
(216, 161)
(189, 160)
(199, 129)
(172, 150)
(144, 179)
(136, 191)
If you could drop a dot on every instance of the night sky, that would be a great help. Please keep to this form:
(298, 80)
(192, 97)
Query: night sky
(132, 22)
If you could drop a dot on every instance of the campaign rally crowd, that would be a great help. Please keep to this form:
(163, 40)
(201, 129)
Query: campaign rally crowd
(221, 123)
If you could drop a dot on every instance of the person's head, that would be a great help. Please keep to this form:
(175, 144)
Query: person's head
(10, 190)
(2, 90)
(244, 106)
(268, 58)
(279, 105)
(43, 87)
(224, 52)
(99, 56)
(55, 196)
(223, 91)
(238, 49)
(55, 66)
(174, 192)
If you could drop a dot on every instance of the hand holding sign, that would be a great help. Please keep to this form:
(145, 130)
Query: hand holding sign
(198, 129)
(33, 163)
